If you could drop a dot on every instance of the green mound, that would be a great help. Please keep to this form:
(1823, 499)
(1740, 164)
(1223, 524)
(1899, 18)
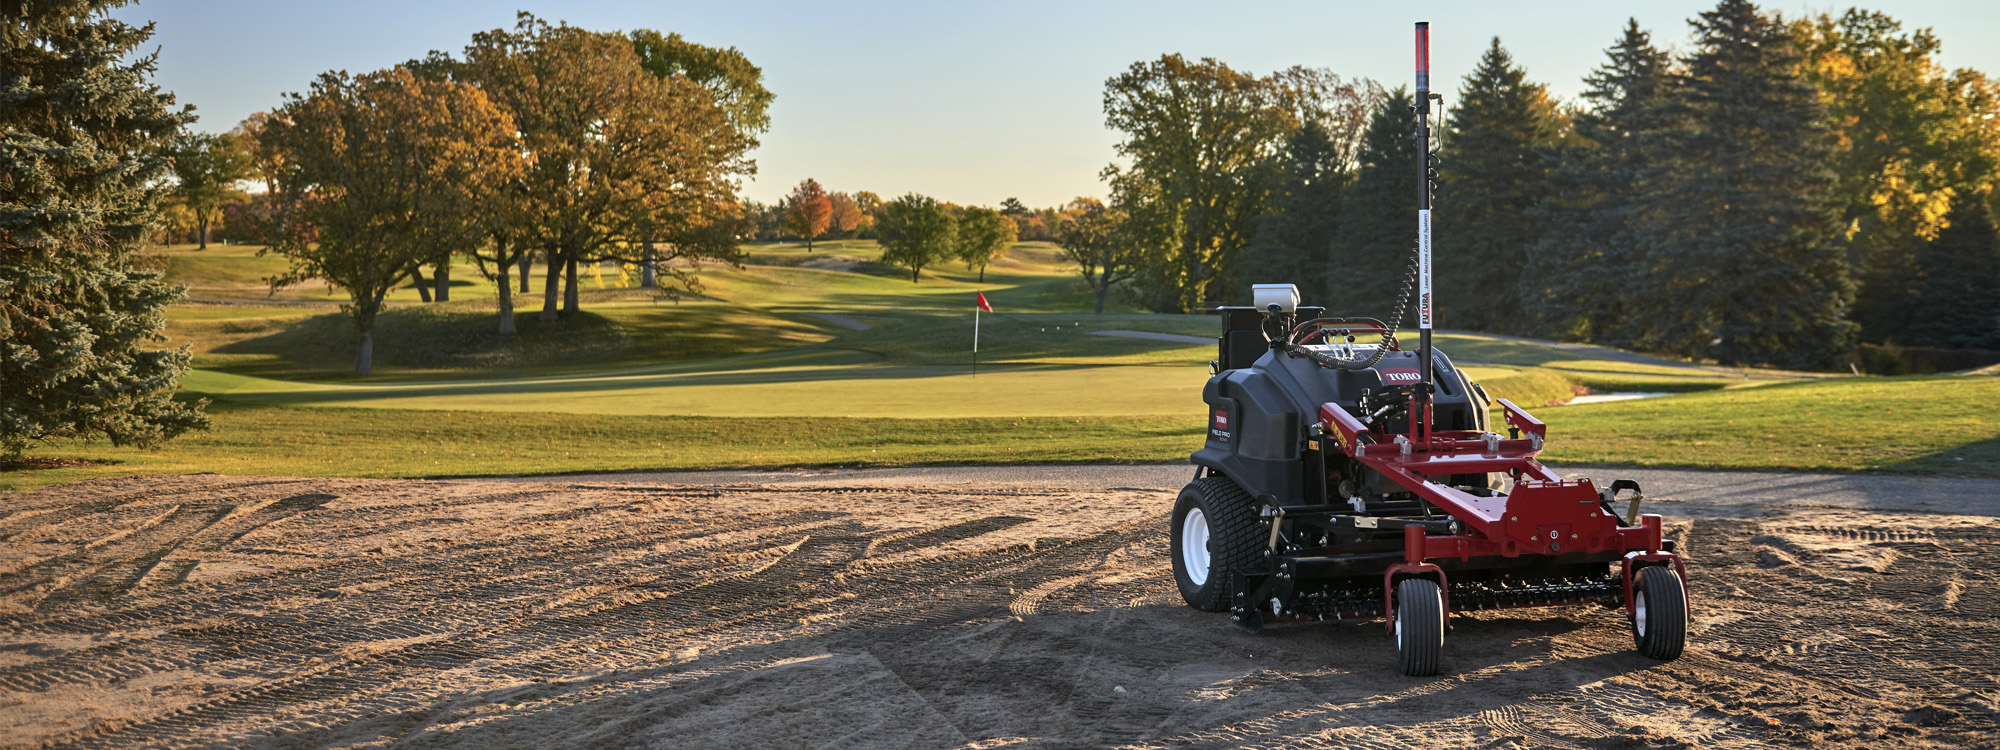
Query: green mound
(438, 337)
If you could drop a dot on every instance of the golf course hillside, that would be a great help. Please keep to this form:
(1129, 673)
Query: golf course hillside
(832, 358)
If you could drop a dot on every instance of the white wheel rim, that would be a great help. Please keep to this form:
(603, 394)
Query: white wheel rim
(1194, 546)
(1399, 631)
(1639, 613)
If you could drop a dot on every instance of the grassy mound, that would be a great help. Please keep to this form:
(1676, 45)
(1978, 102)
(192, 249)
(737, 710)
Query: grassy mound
(436, 337)
(1527, 388)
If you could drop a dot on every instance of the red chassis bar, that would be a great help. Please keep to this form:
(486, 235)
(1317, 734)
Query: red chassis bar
(1545, 514)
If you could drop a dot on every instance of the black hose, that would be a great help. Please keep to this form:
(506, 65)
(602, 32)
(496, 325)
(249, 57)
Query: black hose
(1388, 331)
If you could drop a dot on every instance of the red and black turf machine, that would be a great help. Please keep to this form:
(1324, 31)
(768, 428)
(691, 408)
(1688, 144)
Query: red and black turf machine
(1345, 477)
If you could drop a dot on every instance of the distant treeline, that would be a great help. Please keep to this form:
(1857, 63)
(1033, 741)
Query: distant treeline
(1784, 191)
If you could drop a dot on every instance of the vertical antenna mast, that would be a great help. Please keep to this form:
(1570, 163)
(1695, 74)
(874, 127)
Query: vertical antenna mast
(1424, 303)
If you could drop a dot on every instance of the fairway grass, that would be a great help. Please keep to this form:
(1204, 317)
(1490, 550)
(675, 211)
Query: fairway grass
(747, 374)
(1890, 425)
(1917, 425)
(827, 385)
(255, 440)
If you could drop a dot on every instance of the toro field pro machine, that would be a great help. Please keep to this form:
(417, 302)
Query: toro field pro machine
(1353, 480)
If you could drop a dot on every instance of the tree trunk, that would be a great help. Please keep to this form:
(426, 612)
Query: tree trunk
(506, 288)
(569, 282)
(423, 284)
(443, 275)
(365, 361)
(527, 269)
(982, 274)
(1101, 289)
(201, 231)
(551, 284)
(913, 274)
(646, 278)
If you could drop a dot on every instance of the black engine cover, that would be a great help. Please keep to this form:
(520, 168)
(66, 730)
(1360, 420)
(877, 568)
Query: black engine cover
(1260, 417)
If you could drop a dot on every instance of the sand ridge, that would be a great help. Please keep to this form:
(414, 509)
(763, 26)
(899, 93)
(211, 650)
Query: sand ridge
(200, 611)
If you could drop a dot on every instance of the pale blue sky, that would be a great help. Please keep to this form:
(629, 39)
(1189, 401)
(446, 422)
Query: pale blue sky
(970, 103)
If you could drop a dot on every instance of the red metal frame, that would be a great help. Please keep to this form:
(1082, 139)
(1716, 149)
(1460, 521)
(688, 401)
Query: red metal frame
(1544, 515)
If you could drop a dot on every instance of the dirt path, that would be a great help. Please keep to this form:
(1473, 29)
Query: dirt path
(260, 612)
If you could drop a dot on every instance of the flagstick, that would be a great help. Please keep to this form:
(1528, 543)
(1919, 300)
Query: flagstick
(975, 341)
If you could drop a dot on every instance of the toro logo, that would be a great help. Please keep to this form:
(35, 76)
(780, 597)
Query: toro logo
(1218, 425)
(1400, 376)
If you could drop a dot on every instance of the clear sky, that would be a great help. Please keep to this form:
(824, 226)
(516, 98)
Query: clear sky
(967, 102)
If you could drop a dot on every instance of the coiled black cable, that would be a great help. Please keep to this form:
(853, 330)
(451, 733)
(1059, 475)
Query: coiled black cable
(1293, 348)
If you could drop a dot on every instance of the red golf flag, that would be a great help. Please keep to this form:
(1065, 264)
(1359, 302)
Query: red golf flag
(983, 304)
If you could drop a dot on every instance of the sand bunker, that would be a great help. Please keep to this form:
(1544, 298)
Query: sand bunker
(247, 612)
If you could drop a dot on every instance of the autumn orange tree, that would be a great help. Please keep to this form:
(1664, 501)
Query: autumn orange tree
(808, 211)
(372, 174)
(845, 216)
(617, 154)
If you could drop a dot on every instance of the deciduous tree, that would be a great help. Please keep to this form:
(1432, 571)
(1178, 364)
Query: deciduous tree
(1907, 138)
(206, 169)
(915, 231)
(844, 216)
(617, 154)
(1089, 237)
(375, 172)
(731, 79)
(1202, 134)
(983, 236)
(869, 204)
(82, 136)
(808, 211)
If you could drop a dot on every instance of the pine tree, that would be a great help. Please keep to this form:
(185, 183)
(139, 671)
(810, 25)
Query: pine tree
(1579, 273)
(1378, 220)
(1746, 263)
(1294, 242)
(82, 141)
(1958, 300)
(1492, 173)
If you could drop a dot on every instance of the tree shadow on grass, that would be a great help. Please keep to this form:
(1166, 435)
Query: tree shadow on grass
(332, 394)
(1975, 459)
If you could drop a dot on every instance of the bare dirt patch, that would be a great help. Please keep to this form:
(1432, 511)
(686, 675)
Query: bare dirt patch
(259, 612)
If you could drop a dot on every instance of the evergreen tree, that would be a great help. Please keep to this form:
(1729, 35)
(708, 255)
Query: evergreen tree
(1493, 173)
(1377, 233)
(82, 140)
(1294, 242)
(1578, 274)
(1958, 300)
(1745, 253)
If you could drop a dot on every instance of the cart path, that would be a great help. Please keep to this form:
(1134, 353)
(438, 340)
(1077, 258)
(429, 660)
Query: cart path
(1715, 491)
(888, 610)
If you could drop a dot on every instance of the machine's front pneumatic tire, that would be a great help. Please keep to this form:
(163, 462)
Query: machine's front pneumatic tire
(1216, 531)
(1659, 612)
(1419, 627)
